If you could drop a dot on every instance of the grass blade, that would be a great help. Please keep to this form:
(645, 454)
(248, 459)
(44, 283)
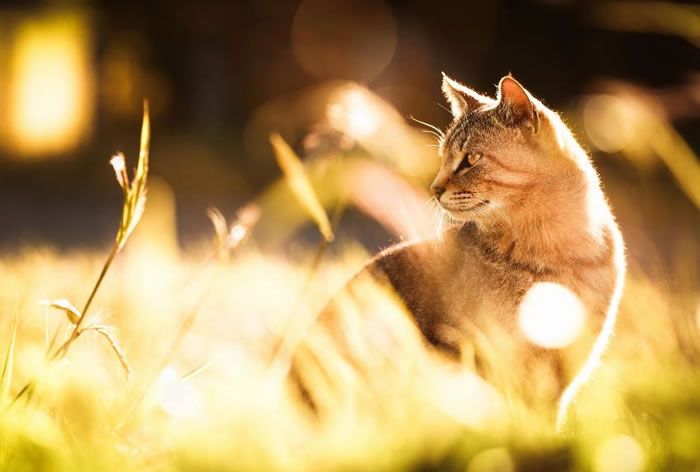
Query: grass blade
(135, 194)
(144, 147)
(301, 187)
(63, 304)
(7, 366)
(220, 226)
(109, 333)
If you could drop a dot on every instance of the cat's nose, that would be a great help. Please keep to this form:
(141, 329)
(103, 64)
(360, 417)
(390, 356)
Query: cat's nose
(438, 190)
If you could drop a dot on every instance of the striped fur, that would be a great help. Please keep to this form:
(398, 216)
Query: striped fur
(530, 210)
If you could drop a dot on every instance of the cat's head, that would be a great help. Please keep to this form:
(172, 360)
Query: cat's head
(494, 151)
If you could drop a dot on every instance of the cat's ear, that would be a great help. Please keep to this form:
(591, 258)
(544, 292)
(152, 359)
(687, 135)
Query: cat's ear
(461, 98)
(517, 103)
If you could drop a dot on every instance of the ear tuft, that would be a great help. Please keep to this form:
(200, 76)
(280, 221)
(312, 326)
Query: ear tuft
(461, 98)
(517, 103)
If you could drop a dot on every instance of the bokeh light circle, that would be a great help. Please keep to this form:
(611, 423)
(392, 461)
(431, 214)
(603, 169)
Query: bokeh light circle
(611, 122)
(353, 111)
(551, 315)
(619, 453)
(349, 39)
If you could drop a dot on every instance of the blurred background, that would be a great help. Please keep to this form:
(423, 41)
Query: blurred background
(221, 76)
(346, 84)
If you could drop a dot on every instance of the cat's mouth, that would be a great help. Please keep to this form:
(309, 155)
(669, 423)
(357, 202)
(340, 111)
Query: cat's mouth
(461, 209)
(477, 205)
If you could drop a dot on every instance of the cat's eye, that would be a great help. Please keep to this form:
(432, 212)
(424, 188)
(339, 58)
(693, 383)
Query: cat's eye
(473, 158)
(468, 160)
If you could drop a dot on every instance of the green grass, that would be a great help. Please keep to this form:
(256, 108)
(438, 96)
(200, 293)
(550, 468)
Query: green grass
(85, 415)
(201, 333)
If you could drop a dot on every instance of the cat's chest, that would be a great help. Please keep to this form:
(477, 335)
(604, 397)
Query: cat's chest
(487, 286)
(453, 279)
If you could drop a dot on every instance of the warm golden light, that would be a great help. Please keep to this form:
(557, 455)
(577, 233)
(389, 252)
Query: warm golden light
(613, 123)
(175, 396)
(492, 460)
(381, 130)
(468, 399)
(619, 453)
(50, 96)
(551, 315)
(353, 113)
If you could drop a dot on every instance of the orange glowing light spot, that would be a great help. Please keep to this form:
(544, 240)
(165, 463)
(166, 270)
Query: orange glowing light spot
(50, 94)
(618, 124)
(619, 453)
(551, 315)
(353, 113)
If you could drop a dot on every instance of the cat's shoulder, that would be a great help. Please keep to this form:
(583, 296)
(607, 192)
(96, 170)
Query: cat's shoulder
(425, 255)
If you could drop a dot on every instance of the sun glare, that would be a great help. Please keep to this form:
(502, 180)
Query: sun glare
(354, 114)
(49, 100)
(551, 315)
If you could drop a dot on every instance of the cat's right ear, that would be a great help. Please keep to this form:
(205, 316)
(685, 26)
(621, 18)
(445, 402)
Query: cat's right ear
(461, 98)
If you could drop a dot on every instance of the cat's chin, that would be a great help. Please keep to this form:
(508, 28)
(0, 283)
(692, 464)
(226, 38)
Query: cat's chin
(459, 216)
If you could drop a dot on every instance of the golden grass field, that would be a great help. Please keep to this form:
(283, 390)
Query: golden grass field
(176, 363)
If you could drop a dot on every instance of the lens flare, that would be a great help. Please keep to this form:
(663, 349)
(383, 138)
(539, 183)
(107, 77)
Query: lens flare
(551, 315)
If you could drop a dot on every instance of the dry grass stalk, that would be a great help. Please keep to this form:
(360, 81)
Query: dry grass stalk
(300, 185)
(229, 238)
(132, 211)
(109, 333)
(8, 364)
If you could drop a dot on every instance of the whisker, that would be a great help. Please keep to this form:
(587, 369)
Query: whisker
(433, 127)
(431, 132)
(440, 215)
(432, 201)
(444, 108)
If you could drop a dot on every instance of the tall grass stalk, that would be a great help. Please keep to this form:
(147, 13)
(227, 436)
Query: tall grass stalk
(8, 364)
(302, 189)
(228, 239)
(132, 210)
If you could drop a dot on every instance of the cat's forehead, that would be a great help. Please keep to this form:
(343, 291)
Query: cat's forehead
(471, 129)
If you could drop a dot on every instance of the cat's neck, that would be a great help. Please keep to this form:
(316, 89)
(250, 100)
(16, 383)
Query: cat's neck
(563, 224)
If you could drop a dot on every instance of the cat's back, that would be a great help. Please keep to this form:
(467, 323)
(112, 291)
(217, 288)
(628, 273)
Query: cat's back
(446, 280)
(461, 278)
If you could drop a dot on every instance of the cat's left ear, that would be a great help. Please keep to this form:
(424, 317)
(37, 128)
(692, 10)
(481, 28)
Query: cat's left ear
(517, 103)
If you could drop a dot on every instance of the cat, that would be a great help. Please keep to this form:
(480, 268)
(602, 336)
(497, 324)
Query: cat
(526, 210)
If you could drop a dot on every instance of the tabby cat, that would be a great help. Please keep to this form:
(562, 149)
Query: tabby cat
(527, 211)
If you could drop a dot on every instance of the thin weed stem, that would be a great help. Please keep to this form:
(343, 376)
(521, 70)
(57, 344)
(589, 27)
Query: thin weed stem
(63, 350)
(281, 362)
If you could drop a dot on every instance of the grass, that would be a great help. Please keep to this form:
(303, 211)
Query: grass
(202, 330)
(84, 415)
